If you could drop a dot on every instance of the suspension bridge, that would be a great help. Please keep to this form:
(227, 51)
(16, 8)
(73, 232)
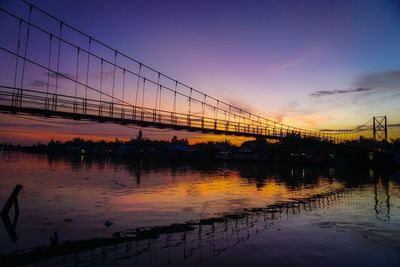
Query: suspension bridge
(52, 69)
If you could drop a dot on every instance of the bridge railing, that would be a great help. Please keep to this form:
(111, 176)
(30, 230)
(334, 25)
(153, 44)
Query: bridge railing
(51, 104)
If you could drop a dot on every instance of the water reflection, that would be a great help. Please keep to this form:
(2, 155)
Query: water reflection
(382, 199)
(12, 201)
(188, 244)
(260, 173)
(177, 213)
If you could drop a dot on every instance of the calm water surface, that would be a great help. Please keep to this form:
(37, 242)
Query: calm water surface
(259, 213)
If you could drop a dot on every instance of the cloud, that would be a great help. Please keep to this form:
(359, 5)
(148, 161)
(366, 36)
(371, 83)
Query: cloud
(240, 104)
(380, 80)
(337, 92)
(52, 76)
(368, 87)
(297, 59)
(62, 75)
(290, 108)
(42, 84)
(295, 112)
(106, 75)
(38, 83)
(29, 125)
(335, 130)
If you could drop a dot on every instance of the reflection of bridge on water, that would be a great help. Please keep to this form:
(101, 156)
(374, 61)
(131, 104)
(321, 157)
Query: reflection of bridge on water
(194, 242)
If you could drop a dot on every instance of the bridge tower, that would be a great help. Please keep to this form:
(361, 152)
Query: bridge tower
(379, 129)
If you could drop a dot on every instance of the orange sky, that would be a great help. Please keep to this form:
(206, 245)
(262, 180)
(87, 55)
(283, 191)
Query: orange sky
(28, 130)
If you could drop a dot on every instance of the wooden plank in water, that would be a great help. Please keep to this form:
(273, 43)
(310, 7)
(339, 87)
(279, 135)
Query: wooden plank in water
(11, 199)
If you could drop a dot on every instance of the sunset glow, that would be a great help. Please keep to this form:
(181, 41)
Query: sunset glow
(314, 66)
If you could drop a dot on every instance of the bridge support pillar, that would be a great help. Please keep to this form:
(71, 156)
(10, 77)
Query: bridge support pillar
(379, 128)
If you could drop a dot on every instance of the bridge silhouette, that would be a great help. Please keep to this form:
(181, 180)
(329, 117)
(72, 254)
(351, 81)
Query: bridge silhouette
(53, 69)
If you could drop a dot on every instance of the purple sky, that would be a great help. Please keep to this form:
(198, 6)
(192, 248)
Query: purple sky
(312, 64)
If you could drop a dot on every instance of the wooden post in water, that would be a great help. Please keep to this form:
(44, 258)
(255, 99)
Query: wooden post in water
(11, 200)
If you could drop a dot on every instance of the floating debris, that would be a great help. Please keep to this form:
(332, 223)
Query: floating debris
(108, 223)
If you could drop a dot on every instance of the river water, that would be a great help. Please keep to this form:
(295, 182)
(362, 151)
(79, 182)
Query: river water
(82, 211)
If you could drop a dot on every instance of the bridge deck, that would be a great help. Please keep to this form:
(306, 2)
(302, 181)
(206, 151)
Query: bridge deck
(16, 100)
